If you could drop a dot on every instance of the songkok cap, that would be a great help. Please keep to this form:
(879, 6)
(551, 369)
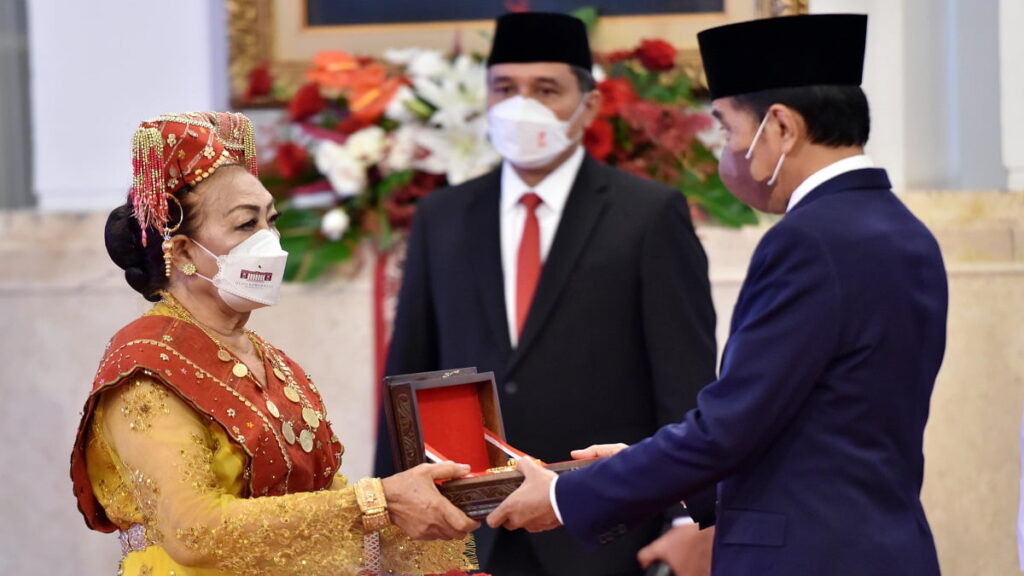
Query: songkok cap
(786, 52)
(540, 37)
(175, 150)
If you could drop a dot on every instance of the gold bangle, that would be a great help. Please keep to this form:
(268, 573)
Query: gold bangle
(372, 504)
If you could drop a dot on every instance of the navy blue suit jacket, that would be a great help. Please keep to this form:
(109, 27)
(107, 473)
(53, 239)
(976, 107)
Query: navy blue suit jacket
(814, 428)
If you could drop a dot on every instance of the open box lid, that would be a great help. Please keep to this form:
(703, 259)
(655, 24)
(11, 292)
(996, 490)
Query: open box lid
(450, 410)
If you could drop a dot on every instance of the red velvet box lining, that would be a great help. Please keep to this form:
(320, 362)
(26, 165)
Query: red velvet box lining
(452, 422)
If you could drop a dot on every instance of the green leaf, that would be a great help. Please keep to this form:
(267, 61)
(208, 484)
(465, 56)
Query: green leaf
(297, 247)
(420, 107)
(589, 16)
(386, 236)
(324, 256)
(304, 221)
(392, 182)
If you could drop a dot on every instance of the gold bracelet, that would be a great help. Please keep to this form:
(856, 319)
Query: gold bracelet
(373, 505)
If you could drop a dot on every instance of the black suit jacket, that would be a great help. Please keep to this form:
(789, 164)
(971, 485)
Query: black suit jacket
(619, 338)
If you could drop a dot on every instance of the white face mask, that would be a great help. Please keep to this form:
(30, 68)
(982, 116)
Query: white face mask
(249, 276)
(527, 133)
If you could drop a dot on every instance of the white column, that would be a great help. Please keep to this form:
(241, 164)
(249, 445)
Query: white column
(1011, 55)
(97, 69)
(931, 79)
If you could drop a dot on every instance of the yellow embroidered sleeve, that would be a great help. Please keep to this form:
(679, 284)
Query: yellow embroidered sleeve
(189, 510)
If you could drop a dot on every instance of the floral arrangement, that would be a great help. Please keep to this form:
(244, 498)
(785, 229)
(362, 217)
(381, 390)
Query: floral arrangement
(366, 138)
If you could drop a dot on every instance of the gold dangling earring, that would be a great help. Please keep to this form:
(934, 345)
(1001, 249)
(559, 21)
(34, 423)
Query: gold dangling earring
(166, 246)
(189, 269)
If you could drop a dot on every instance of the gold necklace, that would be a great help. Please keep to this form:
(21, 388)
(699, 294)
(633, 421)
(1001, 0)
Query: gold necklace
(179, 311)
(311, 418)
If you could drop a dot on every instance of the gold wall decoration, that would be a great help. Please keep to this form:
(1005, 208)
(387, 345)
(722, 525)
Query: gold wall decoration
(275, 32)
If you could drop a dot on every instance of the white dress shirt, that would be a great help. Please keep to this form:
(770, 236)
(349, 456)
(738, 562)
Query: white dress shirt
(554, 192)
(827, 173)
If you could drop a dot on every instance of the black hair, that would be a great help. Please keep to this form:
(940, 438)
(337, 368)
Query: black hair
(836, 116)
(584, 78)
(144, 265)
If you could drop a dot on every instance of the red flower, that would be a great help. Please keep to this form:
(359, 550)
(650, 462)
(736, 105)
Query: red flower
(306, 102)
(615, 93)
(618, 56)
(260, 82)
(656, 55)
(599, 139)
(291, 160)
(351, 125)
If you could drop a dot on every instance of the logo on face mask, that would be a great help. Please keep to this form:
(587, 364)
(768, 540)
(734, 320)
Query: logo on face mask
(249, 276)
(254, 276)
(527, 133)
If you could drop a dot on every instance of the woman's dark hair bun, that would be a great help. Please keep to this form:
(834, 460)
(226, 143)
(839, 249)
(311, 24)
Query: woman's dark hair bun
(143, 265)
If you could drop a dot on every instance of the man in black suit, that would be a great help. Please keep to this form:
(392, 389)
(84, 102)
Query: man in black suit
(583, 288)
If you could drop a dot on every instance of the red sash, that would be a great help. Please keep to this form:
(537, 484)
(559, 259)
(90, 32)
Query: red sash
(184, 359)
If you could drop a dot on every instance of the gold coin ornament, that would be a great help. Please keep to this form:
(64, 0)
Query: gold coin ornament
(306, 440)
(223, 355)
(288, 432)
(279, 374)
(311, 418)
(291, 393)
(272, 408)
(240, 370)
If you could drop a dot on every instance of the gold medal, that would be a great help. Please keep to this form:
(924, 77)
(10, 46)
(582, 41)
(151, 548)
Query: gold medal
(288, 432)
(306, 441)
(240, 370)
(223, 355)
(311, 418)
(272, 408)
(291, 393)
(278, 373)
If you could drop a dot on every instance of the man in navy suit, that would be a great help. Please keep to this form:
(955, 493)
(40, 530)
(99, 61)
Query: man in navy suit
(813, 430)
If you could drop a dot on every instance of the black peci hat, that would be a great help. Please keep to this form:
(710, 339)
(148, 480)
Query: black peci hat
(540, 37)
(787, 52)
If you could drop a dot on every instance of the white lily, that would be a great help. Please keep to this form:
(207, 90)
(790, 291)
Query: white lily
(343, 170)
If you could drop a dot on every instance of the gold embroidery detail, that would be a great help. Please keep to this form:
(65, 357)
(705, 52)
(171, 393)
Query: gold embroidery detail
(142, 403)
(197, 465)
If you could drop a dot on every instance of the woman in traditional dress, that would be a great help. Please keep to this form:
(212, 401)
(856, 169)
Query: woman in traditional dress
(205, 446)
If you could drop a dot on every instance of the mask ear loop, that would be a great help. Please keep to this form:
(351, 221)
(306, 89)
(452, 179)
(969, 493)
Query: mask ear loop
(775, 175)
(576, 114)
(750, 151)
(166, 245)
(757, 136)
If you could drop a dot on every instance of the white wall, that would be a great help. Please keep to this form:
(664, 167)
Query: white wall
(1011, 48)
(932, 77)
(100, 67)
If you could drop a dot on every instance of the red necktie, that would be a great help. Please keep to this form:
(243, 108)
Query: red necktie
(528, 270)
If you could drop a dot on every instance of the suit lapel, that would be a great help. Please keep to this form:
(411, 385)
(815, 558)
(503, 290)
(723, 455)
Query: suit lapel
(483, 242)
(582, 211)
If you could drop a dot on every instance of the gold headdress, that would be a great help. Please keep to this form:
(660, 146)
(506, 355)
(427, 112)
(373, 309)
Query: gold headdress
(174, 150)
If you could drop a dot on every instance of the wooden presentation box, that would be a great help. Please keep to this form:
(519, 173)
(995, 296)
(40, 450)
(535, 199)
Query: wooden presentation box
(455, 415)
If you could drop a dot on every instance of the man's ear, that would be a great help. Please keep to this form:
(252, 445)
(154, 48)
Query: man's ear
(591, 107)
(792, 129)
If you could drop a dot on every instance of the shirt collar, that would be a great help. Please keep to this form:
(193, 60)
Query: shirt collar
(553, 190)
(858, 162)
